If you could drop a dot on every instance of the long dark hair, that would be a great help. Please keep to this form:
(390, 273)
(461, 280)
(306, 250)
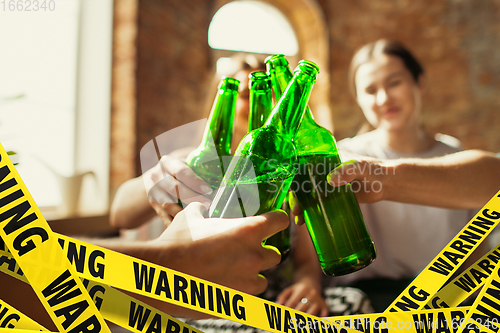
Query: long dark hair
(388, 47)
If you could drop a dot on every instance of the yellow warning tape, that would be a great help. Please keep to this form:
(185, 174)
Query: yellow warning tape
(115, 306)
(484, 315)
(465, 284)
(257, 312)
(441, 268)
(22, 229)
(12, 318)
(27, 234)
(17, 330)
(133, 315)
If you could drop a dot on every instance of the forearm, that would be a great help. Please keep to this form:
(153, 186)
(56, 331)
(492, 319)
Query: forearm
(165, 254)
(131, 207)
(307, 268)
(462, 180)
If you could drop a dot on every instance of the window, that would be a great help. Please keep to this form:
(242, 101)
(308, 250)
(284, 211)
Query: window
(55, 100)
(252, 26)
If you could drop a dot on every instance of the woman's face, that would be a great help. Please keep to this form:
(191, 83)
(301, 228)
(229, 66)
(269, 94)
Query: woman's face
(387, 93)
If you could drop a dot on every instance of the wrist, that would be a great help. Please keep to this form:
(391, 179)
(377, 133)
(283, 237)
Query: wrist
(313, 282)
(164, 252)
(388, 179)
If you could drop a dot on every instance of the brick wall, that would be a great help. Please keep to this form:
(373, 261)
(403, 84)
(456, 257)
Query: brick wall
(173, 65)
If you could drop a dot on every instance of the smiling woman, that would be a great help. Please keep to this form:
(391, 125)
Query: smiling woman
(388, 84)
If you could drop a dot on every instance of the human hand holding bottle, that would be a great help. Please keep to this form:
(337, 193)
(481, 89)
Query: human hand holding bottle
(224, 251)
(169, 181)
(368, 176)
(228, 252)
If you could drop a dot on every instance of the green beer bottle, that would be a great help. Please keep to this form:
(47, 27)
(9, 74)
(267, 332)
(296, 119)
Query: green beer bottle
(261, 104)
(261, 99)
(213, 154)
(332, 215)
(260, 173)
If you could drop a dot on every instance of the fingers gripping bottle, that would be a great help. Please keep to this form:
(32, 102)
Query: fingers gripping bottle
(261, 104)
(213, 154)
(332, 215)
(264, 164)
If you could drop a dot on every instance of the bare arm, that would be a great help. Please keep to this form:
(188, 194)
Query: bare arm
(157, 191)
(466, 179)
(306, 260)
(306, 292)
(130, 207)
(463, 180)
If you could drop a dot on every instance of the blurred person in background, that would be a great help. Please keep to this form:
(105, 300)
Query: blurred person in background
(389, 84)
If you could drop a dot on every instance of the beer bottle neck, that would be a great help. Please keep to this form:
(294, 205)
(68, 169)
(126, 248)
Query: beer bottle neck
(289, 111)
(219, 130)
(281, 75)
(261, 102)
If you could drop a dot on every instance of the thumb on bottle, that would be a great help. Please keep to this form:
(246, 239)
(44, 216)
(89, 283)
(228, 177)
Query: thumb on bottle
(342, 174)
